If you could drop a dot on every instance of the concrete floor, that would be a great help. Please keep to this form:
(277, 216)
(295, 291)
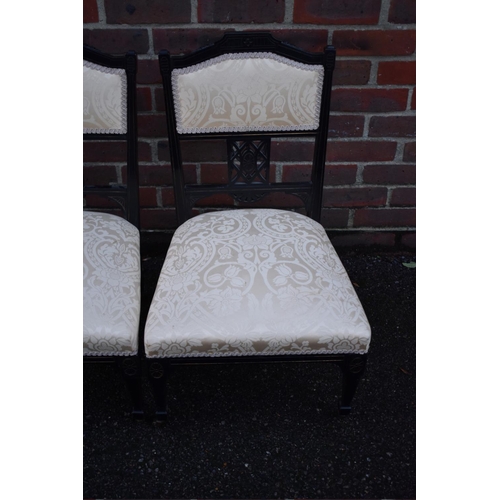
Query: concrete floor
(268, 430)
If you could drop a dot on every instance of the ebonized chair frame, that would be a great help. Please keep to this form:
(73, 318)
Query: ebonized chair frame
(128, 199)
(352, 365)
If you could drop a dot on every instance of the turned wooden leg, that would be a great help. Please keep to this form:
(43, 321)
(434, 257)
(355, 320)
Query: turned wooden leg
(352, 369)
(158, 372)
(131, 371)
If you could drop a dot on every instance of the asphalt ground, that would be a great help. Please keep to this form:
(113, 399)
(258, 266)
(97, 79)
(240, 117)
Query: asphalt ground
(268, 430)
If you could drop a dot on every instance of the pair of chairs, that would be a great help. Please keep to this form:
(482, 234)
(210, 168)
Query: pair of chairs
(245, 285)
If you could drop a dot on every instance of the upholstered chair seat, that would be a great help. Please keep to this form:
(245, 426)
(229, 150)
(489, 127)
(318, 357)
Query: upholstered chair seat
(253, 282)
(111, 285)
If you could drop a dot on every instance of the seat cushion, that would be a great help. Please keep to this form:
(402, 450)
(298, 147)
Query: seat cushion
(253, 281)
(111, 285)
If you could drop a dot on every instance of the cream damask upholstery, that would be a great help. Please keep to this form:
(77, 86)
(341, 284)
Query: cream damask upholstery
(111, 285)
(247, 92)
(253, 281)
(104, 99)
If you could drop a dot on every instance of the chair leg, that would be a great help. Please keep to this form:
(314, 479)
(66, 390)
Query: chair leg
(158, 373)
(352, 370)
(131, 371)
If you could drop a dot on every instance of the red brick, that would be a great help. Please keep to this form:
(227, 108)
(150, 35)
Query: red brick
(346, 126)
(102, 175)
(389, 174)
(296, 173)
(334, 217)
(414, 99)
(117, 41)
(242, 11)
(148, 71)
(369, 100)
(334, 174)
(396, 72)
(184, 40)
(374, 42)
(155, 175)
(160, 100)
(353, 72)
(384, 217)
(214, 174)
(410, 153)
(403, 12)
(90, 12)
(147, 11)
(392, 126)
(292, 150)
(336, 11)
(104, 151)
(364, 238)
(144, 153)
(163, 151)
(404, 197)
(158, 218)
(144, 102)
(111, 151)
(152, 125)
(147, 197)
(352, 151)
(409, 240)
(314, 40)
(354, 197)
(204, 151)
(167, 197)
(161, 174)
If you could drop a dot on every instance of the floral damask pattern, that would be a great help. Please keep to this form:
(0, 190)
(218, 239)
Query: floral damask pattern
(111, 285)
(104, 99)
(247, 92)
(253, 281)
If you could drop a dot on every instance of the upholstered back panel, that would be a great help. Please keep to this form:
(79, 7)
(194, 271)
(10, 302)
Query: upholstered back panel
(104, 99)
(249, 92)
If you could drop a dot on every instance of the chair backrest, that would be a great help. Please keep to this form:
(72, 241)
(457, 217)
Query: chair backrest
(248, 88)
(109, 114)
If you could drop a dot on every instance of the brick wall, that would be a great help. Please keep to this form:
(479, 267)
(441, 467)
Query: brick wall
(369, 194)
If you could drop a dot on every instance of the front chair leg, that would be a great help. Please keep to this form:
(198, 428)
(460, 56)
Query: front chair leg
(131, 371)
(352, 370)
(158, 372)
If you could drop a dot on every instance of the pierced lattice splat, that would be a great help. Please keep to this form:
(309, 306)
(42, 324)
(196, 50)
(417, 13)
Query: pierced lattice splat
(248, 163)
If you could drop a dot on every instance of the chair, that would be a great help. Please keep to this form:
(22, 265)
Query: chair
(251, 284)
(111, 251)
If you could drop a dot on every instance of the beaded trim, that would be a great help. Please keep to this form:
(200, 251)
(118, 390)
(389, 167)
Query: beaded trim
(227, 354)
(113, 353)
(112, 71)
(250, 55)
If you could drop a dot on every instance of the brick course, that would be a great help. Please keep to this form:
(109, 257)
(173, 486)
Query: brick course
(336, 11)
(147, 11)
(361, 151)
(117, 41)
(374, 42)
(396, 72)
(369, 196)
(389, 174)
(392, 126)
(402, 11)
(369, 100)
(90, 12)
(242, 11)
